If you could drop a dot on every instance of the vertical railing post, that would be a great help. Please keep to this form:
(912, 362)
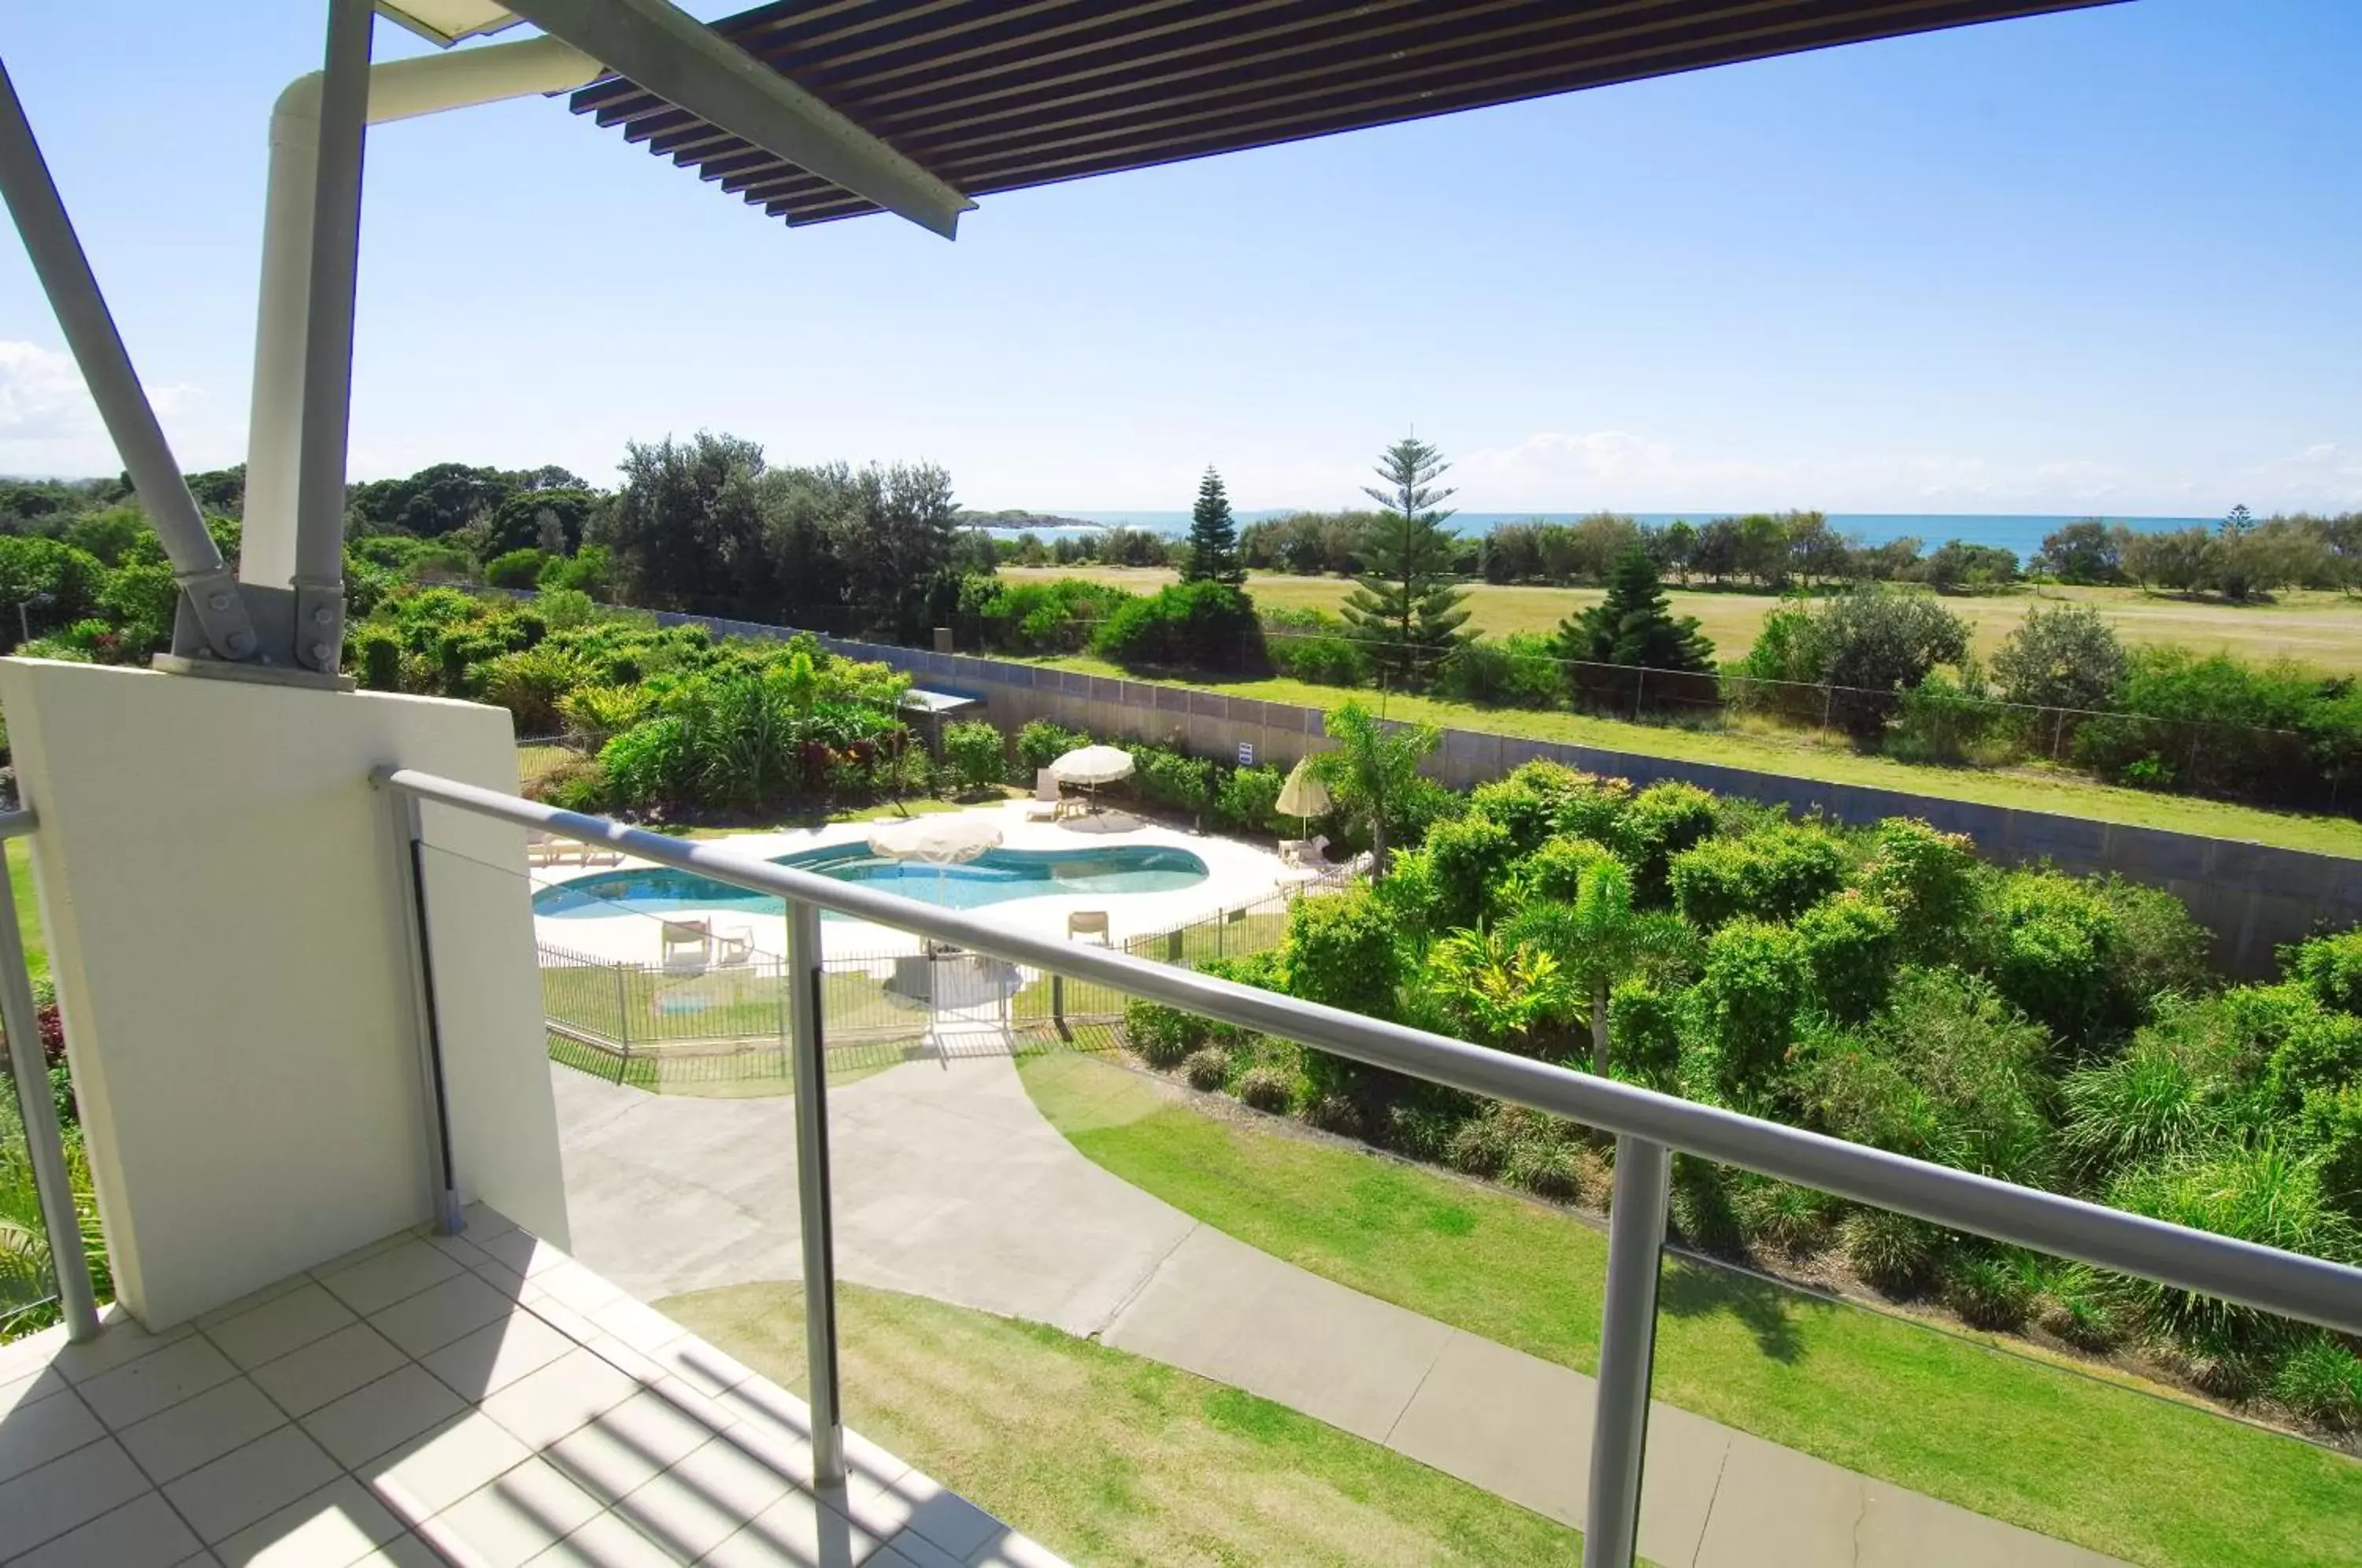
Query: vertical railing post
(623, 1011)
(811, 1192)
(1058, 1007)
(44, 1144)
(448, 1221)
(1628, 1342)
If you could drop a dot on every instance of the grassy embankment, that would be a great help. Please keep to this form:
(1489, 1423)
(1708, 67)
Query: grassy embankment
(1107, 1458)
(2085, 1457)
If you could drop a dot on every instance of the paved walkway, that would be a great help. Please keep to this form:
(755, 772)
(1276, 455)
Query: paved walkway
(949, 1184)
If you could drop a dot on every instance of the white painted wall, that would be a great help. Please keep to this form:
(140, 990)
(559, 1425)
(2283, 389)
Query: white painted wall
(220, 886)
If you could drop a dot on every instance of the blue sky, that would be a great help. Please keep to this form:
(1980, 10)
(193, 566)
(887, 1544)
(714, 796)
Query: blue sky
(2110, 262)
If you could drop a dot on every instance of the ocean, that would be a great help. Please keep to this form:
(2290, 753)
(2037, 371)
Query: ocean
(2014, 532)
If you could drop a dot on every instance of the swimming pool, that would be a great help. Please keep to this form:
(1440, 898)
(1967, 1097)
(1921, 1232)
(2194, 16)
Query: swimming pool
(996, 876)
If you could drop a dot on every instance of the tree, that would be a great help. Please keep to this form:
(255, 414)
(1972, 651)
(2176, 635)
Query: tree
(687, 529)
(1405, 598)
(2066, 657)
(1213, 537)
(1635, 624)
(2181, 562)
(1374, 768)
(1599, 939)
(1886, 639)
(2083, 552)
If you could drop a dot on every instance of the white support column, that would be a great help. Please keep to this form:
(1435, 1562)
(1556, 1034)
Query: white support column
(399, 90)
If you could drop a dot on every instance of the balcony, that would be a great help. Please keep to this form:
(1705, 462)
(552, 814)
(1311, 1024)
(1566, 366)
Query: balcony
(478, 1398)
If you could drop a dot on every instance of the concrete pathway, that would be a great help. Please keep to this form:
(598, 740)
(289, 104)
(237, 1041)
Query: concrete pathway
(949, 1184)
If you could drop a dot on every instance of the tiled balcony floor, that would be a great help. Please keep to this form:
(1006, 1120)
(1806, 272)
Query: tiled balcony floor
(481, 1400)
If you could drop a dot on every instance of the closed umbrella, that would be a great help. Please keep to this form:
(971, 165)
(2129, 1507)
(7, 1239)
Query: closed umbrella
(1093, 766)
(1303, 796)
(952, 839)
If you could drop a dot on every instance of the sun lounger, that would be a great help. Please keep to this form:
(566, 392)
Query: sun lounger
(685, 946)
(1088, 923)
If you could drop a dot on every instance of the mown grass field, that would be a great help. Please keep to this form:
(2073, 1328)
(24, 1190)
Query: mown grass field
(2117, 1468)
(2317, 627)
(1107, 1458)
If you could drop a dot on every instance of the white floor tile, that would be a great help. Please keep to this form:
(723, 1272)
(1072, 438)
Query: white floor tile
(382, 1416)
(251, 1483)
(333, 1526)
(606, 1542)
(34, 1434)
(515, 1517)
(43, 1504)
(496, 1355)
(376, 1282)
(704, 1499)
(284, 1323)
(120, 1340)
(577, 1286)
(327, 1369)
(441, 1313)
(624, 1448)
(795, 1532)
(143, 1533)
(637, 1324)
(32, 1382)
(157, 1381)
(431, 1472)
(200, 1430)
(917, 1504)
(544, 1405)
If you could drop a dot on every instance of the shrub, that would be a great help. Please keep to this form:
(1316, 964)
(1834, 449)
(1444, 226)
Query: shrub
(1849, 950)
(1041, 743)
(1645, 1027)
(1266, 1088)
(1782, 1216)
(2330, 1125)
(1661, 821)
(2155, 948)
(30, 566)
(531, 685)
(2264, 1194)
(1315, 647)
(1878, 639)
(1520, 670)
(565, 608)
(578, 784)
(1993, 1290)
(1554, 872)
(1164, 1036)
(1754, 984)
(1191, 626)
(1341, 951)
(1247, 798)
(517, 568)
(1479, 1146)
(2073, 1307)
(1057, 616)
(1206, 1067)
(2153, 1102)
(1547, 1168)
(1526, 803)
(1772, 873)
(2322, 1381)
(648, 764)
(2062, 657)
(2056, 948)
(2329, 966)
(1928, 879)
(971, 753)
(1702, 1209)
(378, 658)
(1169, 779)
(1334, 1113)
(1893, 1252)
(2322, 1051)
(1470, 858)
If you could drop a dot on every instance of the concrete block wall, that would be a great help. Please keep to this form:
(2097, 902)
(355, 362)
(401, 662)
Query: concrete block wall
(2253, 897)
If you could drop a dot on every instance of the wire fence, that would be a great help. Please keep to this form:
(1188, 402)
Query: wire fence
(721, 1028)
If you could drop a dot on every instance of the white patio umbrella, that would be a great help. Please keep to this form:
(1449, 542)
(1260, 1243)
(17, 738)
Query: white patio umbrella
(952, 839)
(1093, 766)
(1303, 796)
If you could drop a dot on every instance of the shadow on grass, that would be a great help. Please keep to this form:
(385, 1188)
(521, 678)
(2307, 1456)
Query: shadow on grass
(1768, 1311)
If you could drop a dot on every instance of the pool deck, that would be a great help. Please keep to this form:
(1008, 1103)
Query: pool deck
(1237, 873)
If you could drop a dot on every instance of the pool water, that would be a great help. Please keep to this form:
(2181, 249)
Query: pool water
(996, 876)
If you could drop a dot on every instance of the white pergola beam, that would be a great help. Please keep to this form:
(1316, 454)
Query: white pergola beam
(680, 60)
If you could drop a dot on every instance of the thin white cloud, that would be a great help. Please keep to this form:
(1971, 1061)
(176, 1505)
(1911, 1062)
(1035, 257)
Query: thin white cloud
(48, 426)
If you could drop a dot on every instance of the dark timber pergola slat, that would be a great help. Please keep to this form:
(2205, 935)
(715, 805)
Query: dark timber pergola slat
(999, 96)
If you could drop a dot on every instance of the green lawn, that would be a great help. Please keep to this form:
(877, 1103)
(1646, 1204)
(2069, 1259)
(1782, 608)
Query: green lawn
(28, 911)
(2099, 1462)
(1107, 1458)
(1800, 755)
